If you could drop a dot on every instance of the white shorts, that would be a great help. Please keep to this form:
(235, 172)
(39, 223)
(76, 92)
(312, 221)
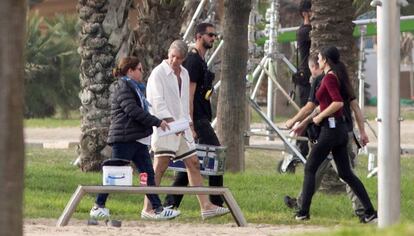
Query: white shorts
(167, 146)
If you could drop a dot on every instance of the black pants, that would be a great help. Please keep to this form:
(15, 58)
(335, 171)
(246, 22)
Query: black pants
(139, 155)
(334, 140)
(206, 135)
(304, 91)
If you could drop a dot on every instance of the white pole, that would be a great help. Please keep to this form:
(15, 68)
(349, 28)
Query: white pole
(361, 78)
(388, 31)
(411, 74)
(215, 53)
(197, 13)
(271, 51)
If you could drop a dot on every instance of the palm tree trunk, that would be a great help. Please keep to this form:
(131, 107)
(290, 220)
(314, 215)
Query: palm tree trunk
(332, 26)
(232, 102)
(12, 29)
(159, 24)
(103, 38)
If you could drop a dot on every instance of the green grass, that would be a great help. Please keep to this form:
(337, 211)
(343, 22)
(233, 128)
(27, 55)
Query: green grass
(51, 180)
(51, 123)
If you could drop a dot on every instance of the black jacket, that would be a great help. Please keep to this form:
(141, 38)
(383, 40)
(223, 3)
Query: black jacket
(129, 121)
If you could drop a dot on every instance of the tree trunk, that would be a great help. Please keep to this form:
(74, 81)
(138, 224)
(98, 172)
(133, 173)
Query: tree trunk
(159, 24)
(232, 101)
(12, 30)
(332, 26)
(104, 37)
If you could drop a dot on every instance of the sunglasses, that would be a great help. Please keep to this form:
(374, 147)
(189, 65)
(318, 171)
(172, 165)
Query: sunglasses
(211, 34)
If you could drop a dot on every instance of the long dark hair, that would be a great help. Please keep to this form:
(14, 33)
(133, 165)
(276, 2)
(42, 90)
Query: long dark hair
(332, 56)
(124, 65)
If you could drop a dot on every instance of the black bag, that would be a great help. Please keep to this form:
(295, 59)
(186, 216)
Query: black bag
(313, 132)
(301, 77)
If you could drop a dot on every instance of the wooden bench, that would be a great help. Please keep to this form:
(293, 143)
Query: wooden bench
(82, 190)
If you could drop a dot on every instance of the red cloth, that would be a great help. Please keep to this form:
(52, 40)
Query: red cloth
(328, 92)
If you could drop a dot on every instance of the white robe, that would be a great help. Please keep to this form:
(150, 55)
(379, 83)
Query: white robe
(166, 101)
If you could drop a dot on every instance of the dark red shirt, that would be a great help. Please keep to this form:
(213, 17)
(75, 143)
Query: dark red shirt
(329, 92)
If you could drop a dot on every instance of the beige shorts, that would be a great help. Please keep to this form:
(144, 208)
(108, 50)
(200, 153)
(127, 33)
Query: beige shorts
(164, 148)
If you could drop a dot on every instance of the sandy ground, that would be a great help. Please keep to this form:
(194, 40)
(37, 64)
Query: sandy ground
(46, 227)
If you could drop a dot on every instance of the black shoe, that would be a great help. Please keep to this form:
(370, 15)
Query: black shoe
(291, 202)
(302, 216)
(369, 218)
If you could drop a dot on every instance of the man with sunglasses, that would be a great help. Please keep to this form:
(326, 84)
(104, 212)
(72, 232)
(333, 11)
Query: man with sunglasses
(201, 88)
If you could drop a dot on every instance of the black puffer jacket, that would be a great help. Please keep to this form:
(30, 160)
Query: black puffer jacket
(129, 121)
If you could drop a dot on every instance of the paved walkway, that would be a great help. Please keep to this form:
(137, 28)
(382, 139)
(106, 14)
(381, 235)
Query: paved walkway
(69, 137)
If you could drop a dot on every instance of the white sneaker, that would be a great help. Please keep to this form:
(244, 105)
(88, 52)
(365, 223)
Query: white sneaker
(99, 213)
(219, 211)
(165, 214)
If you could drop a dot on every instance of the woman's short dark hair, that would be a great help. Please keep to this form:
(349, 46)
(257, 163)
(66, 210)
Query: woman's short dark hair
(124, 65)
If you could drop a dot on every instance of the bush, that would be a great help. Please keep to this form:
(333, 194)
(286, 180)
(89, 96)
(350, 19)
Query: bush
(51, 69)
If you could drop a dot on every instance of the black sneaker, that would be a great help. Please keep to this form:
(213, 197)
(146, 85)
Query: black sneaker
(301, 216)
(291, 202)
(369, 218)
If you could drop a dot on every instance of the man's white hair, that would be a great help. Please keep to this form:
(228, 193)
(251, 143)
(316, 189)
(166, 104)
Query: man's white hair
(179, 45)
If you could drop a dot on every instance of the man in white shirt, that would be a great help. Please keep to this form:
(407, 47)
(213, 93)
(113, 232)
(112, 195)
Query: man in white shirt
(168, 93)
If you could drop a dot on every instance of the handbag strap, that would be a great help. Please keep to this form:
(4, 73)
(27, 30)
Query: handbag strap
(297, 57)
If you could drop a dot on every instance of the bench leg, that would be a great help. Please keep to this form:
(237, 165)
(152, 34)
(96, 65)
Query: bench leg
(70, 207)
(234, 209)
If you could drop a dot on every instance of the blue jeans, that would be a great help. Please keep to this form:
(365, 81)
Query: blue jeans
(139, 155)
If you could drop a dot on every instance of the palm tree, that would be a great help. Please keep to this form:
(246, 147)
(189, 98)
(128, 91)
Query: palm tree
(332, 26)
(104, 36)
(159, 23)
(231, 108)
(12, 30)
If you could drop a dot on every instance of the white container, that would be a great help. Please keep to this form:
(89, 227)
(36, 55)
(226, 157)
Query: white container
(117, 175)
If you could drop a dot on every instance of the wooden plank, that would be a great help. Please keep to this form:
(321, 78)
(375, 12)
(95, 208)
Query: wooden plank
(71, 207)
(81, 190)
(234, 209)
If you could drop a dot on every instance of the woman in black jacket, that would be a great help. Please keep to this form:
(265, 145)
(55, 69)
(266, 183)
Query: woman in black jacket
(130, 132)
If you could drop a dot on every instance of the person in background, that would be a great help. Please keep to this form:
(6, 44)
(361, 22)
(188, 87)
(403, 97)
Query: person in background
(304, 44)
(130, 132)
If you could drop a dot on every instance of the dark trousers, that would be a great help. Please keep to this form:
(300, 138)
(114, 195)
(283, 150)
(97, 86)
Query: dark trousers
(139, 155)
(206, 135)
(304, 91)
(334, 140)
